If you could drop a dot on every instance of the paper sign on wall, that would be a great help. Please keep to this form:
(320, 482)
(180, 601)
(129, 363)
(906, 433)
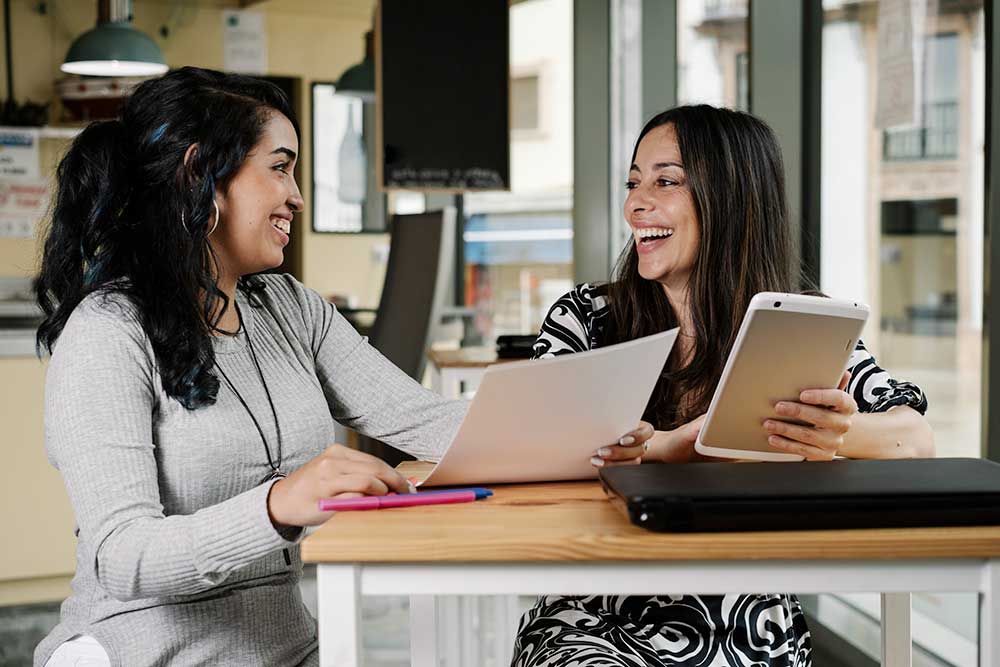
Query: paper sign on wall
(22, 204)
(19, 153)
(244, 42)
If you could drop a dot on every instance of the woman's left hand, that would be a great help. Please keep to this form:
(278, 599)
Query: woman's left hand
(828, 415)
(629, 448)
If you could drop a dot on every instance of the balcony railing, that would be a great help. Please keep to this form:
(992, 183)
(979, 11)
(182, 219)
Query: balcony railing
(937, 139)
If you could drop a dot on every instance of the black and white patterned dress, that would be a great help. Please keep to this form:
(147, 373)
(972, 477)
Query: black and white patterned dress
(761, 630)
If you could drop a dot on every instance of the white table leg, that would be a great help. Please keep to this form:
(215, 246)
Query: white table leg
(897, 640)
(436, 384)
(989, 615)
(339, 620)
(423, 631)
(451, 383)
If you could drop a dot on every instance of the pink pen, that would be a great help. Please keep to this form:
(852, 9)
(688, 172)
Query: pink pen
(403, 500)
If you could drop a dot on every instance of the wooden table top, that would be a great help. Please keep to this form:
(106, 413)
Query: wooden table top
(465, 357)
(573, 521)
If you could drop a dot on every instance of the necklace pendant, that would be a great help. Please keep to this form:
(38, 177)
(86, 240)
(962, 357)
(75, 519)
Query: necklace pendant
(274, 474)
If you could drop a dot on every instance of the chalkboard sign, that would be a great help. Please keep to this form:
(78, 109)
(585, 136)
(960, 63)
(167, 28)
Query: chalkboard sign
(442, 79)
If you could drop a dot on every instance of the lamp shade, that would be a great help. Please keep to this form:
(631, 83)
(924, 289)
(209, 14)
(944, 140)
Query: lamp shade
(358, 81)
(114, 48)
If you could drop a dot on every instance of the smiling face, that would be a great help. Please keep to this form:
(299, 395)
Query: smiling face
(660, 210)
(256, 208)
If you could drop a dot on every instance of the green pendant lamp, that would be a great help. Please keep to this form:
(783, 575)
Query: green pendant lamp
(359, 80)
(114, 47)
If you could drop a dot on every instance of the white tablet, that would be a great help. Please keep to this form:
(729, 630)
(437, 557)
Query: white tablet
(787, 343)
(542, 420)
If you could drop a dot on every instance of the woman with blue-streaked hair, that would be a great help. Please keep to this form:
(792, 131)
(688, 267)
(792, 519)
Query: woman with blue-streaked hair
(190, 403)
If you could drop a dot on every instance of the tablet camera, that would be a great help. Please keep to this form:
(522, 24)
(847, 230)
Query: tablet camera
(777, 304)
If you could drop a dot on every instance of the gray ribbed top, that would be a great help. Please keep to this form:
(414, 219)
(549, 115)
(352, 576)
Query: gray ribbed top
(177, 561)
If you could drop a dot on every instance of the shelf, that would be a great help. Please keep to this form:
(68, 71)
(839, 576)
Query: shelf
(57, 132)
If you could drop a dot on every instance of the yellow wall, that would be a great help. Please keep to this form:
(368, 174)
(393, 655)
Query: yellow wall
(313, 40)
(31, 492)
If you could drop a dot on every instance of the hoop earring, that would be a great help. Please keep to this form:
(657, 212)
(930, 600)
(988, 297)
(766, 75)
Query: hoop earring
(214, 203)
(184, 224)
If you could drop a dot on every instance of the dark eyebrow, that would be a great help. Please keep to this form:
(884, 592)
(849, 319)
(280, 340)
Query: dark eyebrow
(287, 151)
(658, 165)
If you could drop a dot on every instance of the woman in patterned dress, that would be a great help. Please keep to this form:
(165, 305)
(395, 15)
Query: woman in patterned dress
(706, 206)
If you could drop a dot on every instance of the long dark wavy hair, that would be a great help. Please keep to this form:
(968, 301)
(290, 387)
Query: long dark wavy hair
(131, 217)
(734, 171)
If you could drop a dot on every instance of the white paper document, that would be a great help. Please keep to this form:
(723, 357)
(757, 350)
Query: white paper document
(535, 421)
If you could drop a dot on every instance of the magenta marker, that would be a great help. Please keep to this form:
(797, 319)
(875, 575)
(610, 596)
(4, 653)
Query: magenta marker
(403, 500)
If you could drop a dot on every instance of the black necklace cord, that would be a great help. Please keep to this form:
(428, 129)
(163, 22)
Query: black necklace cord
(275, 466)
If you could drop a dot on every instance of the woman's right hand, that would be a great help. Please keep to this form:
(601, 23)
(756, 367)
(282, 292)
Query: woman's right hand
(677, 445)
(339, 471)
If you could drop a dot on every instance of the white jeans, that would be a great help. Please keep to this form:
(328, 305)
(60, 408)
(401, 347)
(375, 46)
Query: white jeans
(80, 651)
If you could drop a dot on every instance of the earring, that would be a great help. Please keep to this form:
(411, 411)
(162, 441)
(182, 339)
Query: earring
(184, 224)
(214, 203)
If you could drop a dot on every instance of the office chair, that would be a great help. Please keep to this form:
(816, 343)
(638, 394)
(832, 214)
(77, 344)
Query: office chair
(421, 254)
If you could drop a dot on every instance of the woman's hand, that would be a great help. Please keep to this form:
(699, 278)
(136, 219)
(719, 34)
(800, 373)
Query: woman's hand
(828, 414)
(629, 448)
(677, 445)
(337, 472)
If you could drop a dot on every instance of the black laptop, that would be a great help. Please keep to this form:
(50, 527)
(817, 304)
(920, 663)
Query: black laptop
(708, 497)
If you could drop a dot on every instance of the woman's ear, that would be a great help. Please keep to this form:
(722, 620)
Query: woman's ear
(189, 154)
(190, 176)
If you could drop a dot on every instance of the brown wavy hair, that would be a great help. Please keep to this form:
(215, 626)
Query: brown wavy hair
(734, 170)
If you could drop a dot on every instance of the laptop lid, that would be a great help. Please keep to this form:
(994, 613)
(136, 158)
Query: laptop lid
(698, 497)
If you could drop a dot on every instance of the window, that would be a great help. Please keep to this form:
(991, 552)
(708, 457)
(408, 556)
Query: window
(901, 226)
(518, 244)
(712, 53)
(936, 134)
(902, 229)
(524, 103)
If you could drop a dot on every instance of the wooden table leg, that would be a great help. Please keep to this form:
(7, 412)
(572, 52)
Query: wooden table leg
(897, 639)
(423, 631)
(339, 598)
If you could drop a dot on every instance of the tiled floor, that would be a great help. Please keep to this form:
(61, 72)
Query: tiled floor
(386, 623)
(21, 628)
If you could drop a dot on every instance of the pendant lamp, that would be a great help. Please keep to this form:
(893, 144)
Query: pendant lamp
(359, 80)
(114, 47)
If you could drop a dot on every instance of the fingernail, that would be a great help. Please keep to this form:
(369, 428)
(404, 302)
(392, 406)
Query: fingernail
(597, 461)
(626, 440)
(783, 409)
(412, 488)
(604, 451)
(775, 442)
(809, 396)
(770, 425)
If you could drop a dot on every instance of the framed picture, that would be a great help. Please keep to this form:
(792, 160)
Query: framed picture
(342, 173)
